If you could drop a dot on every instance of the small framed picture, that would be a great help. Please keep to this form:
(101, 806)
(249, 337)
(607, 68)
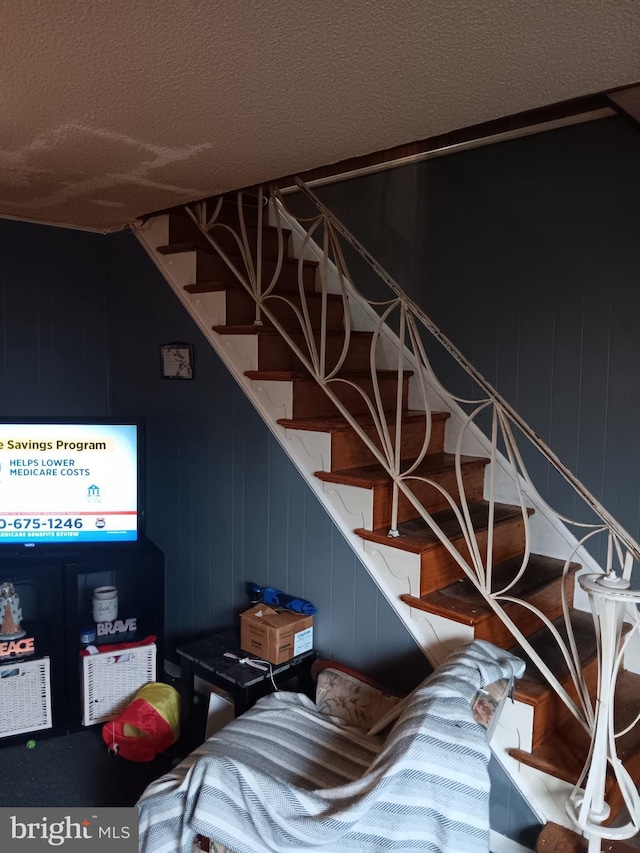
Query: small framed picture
(176, 360)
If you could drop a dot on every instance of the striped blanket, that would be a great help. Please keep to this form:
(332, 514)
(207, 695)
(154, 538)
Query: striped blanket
(284, 777)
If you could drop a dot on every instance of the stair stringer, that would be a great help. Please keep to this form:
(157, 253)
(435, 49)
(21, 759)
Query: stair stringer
(395, 572)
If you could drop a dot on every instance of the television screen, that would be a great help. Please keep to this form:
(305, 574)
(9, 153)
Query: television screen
(69, 482)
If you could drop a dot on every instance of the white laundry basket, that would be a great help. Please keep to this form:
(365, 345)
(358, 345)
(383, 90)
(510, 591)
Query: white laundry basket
(110, 680)
(25, 697)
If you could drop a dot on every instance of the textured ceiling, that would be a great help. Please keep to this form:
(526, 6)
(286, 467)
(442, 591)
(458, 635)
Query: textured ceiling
(110, 109)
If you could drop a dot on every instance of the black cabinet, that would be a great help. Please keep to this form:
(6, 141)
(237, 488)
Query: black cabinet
(41, 594)
(56, 594)
(137, 573)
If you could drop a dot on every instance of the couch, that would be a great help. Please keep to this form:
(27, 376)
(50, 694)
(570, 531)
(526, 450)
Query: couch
(343, 775)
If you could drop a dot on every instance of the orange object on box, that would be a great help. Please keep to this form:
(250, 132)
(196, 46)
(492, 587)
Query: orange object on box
(275, 635)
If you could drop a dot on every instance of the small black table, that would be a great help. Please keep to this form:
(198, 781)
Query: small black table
(206, 659)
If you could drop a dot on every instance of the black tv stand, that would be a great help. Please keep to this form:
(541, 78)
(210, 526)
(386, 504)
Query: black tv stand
(55, 587)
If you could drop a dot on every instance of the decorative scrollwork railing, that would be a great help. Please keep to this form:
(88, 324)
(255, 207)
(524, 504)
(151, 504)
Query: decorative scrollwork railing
(237, 233)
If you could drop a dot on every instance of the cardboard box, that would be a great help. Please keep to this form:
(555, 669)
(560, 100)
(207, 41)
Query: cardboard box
(276, 636)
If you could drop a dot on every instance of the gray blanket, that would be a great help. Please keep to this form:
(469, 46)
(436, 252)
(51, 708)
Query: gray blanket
(284, 777)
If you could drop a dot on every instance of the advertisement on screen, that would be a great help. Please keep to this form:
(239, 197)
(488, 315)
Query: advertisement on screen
(68, 483)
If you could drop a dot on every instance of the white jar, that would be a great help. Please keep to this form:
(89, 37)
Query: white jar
(105, 604)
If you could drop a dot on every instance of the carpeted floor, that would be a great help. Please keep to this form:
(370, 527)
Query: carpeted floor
(74, 770)
(77, 769)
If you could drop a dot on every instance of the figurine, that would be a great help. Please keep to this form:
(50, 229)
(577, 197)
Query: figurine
(10, 613)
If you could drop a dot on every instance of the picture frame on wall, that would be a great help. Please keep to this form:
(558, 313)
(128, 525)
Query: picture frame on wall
(176, 360)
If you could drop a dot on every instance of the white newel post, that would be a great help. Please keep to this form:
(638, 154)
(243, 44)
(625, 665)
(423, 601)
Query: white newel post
(609, 596)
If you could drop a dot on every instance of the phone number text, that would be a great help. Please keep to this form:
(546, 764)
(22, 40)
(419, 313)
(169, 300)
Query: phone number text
(29, 523)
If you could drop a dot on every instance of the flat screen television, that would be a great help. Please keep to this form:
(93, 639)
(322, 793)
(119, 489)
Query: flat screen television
(70, 481)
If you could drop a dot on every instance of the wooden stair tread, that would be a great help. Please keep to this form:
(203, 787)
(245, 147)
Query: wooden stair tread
(189, 246)
(559, 839)
(533, 685)
(293, 295)
(463, 602)
(208, 286)
(233, 221)
(176, 248)
(417, 537)
(256, 329)
(291, 375)
(218, 286)
(337, 423)
(564, 752)
(228, 215)
(368, 476)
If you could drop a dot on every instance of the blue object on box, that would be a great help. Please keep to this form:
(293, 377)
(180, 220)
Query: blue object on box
(276, 597)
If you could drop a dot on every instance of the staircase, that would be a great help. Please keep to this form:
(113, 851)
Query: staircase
(446, 523)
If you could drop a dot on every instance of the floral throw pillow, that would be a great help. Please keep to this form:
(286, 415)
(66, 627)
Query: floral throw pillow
(356, 702)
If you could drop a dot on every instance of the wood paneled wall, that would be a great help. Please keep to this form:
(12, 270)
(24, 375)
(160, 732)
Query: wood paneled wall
(53, 322)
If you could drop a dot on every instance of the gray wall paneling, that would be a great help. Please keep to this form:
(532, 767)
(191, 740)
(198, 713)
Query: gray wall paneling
(53, 335)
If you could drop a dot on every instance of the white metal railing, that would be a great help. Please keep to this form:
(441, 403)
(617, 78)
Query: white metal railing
(238, 230)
